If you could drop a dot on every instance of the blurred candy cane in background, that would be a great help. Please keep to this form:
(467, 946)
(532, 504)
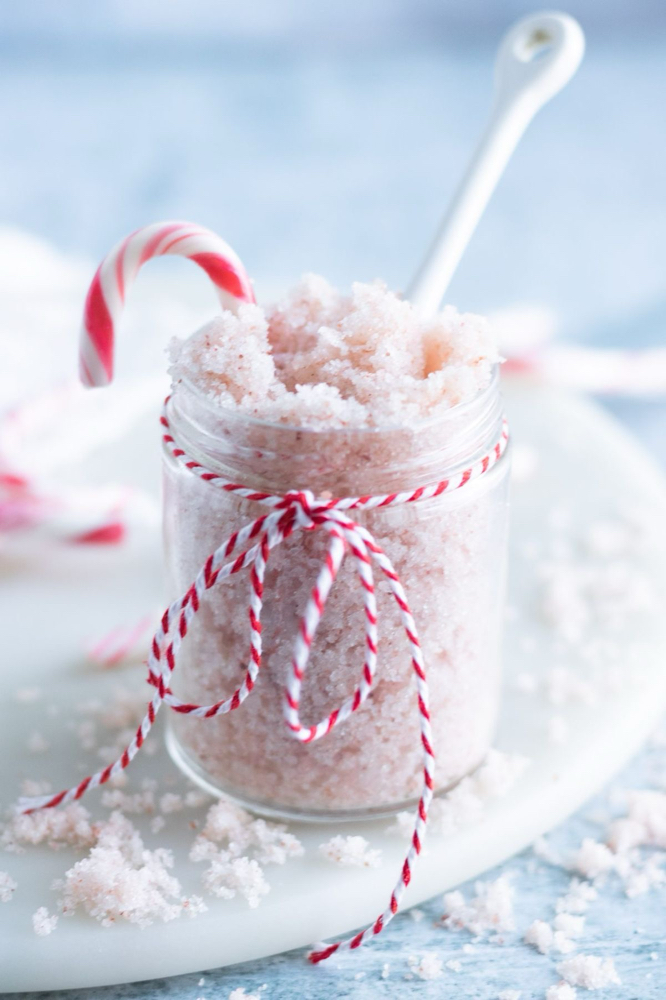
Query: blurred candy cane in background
(65, 483)
(59, 481)
(43, 442)
(527, 336)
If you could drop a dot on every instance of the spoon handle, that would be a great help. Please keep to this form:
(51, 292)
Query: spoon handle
(535, 60)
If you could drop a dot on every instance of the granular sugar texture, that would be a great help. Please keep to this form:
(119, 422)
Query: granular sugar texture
(330, 393)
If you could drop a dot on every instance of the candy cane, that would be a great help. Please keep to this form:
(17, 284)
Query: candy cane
(106, 295)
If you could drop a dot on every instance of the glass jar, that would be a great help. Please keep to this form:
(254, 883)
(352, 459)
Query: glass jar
(450, 554)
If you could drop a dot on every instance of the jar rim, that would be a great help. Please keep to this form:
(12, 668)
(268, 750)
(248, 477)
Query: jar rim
(245, 419)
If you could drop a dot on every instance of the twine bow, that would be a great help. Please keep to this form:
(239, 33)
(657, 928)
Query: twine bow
(298, 510)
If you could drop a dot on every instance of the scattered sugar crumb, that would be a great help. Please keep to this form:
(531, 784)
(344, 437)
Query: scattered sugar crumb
(578, 897)
(68, 826)
(510, 995)
(386, 970)
(454, 965)
(43, 923)
(121, 880)
(491, 909)
(430, 966)
(227, 877)
(138, 802)
(562, 943)
(352, 851)
(468, 949)
(233, 827)
(170, 803)
(195, 799)
(157, 824)
(273, 844)
(37, 743)
(644, 824)
(589, 971)
(561, 991)
(202, 981)
(592, 859)
(240, 994)
(594, 589)
(416, 914)
(540, 935)
(8, 887)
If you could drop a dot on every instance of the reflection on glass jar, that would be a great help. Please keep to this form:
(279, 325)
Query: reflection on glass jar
(450, 554)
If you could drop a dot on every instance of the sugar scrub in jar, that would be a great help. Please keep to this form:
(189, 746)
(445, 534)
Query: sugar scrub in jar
(342, 396)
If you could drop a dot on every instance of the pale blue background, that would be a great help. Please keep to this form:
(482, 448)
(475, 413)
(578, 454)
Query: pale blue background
(328, 137)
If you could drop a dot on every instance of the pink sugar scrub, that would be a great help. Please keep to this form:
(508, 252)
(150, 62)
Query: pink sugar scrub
(323, 359)
(345, 396)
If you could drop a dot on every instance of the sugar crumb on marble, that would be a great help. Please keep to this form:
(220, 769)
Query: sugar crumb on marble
(8, 887)
(171, 802)
(44, 923)
(120, 880)
(142, 802)
(68, 826)
(234, 846)
(227, 877)
(351, 851)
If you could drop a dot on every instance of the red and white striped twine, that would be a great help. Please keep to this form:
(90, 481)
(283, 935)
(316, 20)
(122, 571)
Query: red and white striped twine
(106, 295)
(294, 511)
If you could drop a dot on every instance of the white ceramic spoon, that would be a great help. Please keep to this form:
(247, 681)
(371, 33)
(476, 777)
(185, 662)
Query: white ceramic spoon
(535, 60)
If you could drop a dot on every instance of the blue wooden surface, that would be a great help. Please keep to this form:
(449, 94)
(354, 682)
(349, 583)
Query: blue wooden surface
(340, 161)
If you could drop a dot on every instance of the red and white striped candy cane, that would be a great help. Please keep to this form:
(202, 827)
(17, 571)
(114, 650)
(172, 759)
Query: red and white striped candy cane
(106, 295)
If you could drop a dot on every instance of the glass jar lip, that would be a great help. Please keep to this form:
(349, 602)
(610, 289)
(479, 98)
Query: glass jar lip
(246, 419)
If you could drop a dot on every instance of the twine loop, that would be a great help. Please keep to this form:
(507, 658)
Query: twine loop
(250, 548)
